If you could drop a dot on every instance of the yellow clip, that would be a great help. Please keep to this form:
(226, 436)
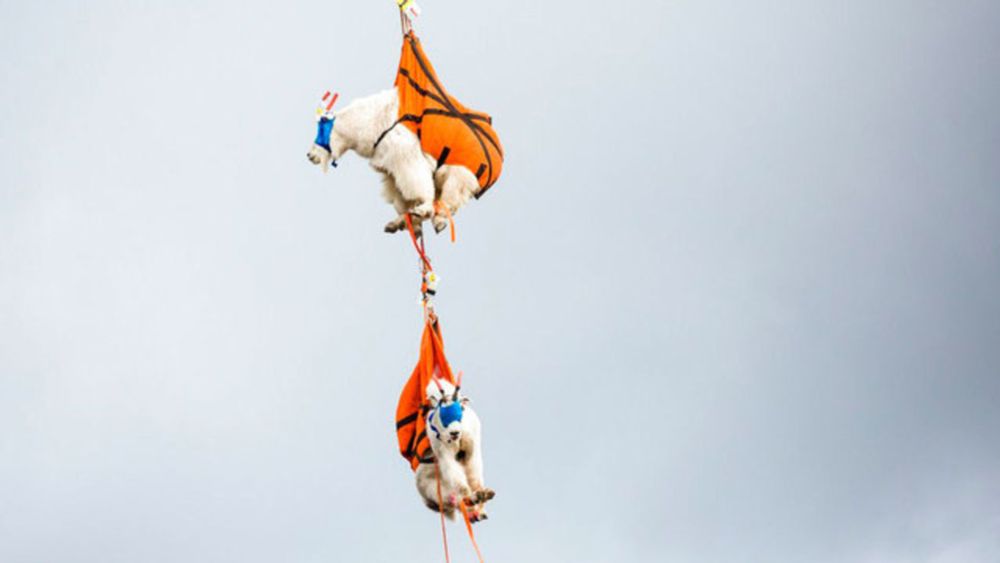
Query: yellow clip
(410, 8)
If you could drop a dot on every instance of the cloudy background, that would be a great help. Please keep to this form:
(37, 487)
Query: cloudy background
(735, 298)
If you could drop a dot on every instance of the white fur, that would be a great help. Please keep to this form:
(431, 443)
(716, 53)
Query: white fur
(459, 457)
(410, 182)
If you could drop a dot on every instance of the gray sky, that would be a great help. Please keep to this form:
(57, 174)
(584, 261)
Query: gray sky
(734, 299)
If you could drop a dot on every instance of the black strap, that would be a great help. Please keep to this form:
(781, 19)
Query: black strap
(418, 119)
(407, 420)
(384, 133)
(441, 100)
(414, 442)
(444, 156)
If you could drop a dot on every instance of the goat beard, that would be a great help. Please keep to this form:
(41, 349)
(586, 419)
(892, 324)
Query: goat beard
(325, 159)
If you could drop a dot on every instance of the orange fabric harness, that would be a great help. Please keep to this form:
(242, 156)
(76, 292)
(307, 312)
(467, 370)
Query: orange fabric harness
(411, 412)
(447, 130)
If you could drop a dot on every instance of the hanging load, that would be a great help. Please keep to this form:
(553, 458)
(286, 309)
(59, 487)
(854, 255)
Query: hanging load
(448, 131)
(447, 466)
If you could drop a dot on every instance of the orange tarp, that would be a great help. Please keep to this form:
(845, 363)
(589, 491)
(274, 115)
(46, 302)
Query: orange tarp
(410, 413)
(448, 131)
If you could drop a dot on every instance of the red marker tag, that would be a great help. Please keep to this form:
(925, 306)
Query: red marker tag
(333, 100)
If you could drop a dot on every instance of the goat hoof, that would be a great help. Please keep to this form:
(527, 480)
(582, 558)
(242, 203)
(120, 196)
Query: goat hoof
(422, 211)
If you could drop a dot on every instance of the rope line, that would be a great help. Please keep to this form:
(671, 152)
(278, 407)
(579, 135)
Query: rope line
(472, 536)
(444, 532)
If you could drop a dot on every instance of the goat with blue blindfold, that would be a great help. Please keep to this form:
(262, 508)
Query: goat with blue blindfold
(455, 435)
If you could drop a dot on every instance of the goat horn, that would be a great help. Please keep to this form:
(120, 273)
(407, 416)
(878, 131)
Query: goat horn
(440, 389)
(458, 386)
(327, 101)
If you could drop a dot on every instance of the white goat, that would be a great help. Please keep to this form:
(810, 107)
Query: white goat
(411, 180)
(455, 434)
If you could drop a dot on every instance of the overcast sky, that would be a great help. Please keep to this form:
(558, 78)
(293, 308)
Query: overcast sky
(734, 300)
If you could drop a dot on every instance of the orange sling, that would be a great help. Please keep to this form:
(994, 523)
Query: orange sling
(447, 130)
(410, 412)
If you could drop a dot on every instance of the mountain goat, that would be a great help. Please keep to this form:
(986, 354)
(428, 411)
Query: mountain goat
(455, 434)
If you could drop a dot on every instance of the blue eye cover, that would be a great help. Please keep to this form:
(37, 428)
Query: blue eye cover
(323, 131)
(450, 413)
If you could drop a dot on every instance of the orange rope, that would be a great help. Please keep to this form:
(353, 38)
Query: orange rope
(465, 517)
(438, 206)
(419, 247)
(444, 533)
(472, 536)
